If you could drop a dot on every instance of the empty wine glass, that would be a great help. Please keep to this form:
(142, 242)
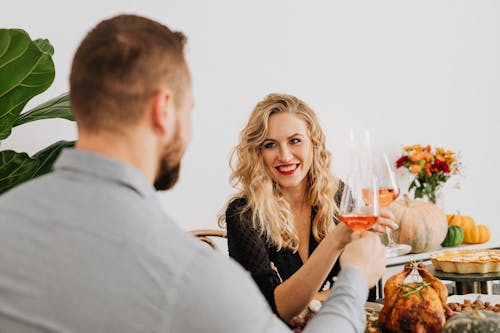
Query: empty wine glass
(388, 190)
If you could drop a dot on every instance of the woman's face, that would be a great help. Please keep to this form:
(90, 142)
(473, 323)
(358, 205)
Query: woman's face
(287, 151)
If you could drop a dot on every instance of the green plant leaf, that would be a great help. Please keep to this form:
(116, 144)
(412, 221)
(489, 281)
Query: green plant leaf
(26, 69)
(16, 168)
(48, 156)
(45, 46)
(58, 107)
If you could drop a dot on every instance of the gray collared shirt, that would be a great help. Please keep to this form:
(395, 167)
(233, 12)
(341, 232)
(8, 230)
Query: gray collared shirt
(87, 248)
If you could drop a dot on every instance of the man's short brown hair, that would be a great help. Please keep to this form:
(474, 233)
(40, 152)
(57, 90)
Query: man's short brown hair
(118, 67)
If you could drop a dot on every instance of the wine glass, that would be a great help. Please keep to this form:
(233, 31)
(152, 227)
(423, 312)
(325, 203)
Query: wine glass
(359, 206)
(388, 190)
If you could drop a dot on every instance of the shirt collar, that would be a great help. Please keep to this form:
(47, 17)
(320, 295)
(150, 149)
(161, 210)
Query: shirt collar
(104, 167)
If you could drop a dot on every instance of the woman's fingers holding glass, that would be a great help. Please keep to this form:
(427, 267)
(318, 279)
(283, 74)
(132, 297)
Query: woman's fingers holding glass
(384, 222)
(387, 219)
(386, 213)
(382, 225)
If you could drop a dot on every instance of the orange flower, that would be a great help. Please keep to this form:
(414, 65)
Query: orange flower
(428, 157)
(416, 156)
(428, 169)
(414, 147)
(440, 157)
(415, 168)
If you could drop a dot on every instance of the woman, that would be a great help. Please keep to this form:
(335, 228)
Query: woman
(282, 224)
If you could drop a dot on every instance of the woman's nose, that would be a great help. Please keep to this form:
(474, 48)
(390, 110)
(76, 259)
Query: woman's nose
(285, 154)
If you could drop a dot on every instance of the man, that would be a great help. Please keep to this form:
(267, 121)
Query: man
(87, 248)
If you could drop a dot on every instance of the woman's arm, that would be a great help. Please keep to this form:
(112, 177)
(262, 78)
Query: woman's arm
(294, 295)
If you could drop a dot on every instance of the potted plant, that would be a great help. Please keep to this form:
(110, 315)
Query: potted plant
(26, 70)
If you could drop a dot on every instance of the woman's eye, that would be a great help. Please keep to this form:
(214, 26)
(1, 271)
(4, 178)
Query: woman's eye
(268, 145)
(294, 141)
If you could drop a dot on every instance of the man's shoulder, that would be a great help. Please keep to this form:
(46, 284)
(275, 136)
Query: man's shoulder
(30, 188)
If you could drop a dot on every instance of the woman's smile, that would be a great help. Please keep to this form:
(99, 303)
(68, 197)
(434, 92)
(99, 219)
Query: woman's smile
(287, 169)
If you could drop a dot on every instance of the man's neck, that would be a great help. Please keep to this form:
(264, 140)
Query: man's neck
(130, 148)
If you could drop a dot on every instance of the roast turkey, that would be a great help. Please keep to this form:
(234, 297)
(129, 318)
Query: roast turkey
(413, 306)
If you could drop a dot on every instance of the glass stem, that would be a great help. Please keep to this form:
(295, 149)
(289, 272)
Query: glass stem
(390, 240)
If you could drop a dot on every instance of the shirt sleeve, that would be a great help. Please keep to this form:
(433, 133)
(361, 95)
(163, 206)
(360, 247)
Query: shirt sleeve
(216, 295)
(247, 247)
(344, 310)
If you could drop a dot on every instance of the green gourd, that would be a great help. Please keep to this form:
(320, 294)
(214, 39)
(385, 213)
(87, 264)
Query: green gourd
(473, 322)
(454, 236)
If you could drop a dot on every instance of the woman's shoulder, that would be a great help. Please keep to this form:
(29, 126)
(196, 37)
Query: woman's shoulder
(238, 210)
(239, 216)
(236, 205)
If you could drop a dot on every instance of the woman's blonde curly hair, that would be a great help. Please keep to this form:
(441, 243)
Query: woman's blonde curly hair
(271, 213)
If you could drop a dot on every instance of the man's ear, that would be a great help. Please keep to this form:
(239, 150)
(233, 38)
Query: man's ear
(162, 111)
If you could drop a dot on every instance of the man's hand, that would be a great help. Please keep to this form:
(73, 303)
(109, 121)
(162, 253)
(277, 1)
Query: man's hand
(367, 254)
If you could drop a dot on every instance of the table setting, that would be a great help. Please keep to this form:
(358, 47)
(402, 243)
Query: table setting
(417, 301)
(415, 298)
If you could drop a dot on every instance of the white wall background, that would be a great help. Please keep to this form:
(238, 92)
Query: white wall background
(410, 71)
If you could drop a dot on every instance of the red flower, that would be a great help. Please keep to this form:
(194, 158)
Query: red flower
(439, 166)
(401, 161)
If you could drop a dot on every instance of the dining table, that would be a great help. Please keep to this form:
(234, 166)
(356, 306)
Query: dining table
(459, 284)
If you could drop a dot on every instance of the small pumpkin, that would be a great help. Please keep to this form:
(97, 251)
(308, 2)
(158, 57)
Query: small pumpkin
(473, 322)
(463, 221)
(454, 236)
(477, 234)
(422, 225)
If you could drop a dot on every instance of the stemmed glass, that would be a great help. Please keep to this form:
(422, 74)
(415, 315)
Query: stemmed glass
(388, 192)
(359, 206)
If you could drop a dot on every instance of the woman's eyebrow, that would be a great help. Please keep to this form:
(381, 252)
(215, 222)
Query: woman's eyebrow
(291, 136)
(296, 134)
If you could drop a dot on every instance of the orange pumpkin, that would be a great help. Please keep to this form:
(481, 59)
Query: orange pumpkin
(473, 234)
(463, 221)
(422, 225)
(477, 234)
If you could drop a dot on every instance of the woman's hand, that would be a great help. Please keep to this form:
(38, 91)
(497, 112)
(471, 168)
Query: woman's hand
(385, 220)
(341, 235)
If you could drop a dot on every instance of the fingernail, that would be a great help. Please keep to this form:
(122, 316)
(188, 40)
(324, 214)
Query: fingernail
(395, 225)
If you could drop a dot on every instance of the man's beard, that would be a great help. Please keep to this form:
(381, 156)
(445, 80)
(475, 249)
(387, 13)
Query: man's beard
(170, 164)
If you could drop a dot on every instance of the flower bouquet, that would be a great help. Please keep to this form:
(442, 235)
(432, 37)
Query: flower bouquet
(430, 167)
